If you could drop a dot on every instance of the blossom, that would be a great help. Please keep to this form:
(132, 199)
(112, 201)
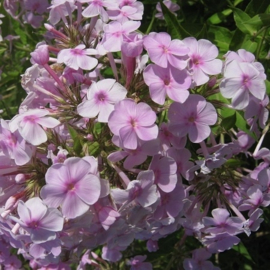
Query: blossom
(29, 125)
(71, 185)
(101, 97)
(114, 33)
(131, 121)
(193, 117)
(78, 57)
(137, 263)
(167, 81)
(241, 80)
(163, 51)
(38, 220)
(202, 59)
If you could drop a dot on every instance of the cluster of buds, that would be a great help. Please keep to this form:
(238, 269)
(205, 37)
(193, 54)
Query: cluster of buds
(122, 137)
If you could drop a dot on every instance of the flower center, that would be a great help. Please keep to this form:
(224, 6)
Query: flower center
(77, 51)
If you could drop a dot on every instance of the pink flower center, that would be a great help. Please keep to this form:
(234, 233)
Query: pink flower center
(70, 187)
(34, 224)
(197, 60)
(191, 119)
(246, 80)
(76, 51)
(133, 122)
(11, 140)
(30, 118)
(167, 81)
(101, 97)
(97, 3)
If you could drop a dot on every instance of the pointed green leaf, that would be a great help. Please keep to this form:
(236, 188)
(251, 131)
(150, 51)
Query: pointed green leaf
(219, 16)
(228, 122)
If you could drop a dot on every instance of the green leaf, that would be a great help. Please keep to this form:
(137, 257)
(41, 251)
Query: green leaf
(202, 33)
(243, 251)
(267, 83)
(73, 133)
(229, 122)
(255, 7)
(219, 16)
(77, 146)
(242, 125)
(250, 46)
(94, 148)
(238, 39)
(241, 19)
(265, 18)
(174, 27)
(220, 36)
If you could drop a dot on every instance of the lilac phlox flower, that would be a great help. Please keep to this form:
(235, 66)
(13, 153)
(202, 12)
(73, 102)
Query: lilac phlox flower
(29, 125)
(101, 97)
(170, 203)
(241, 80)
(38, 220)
(41, 250)
(203, 60)
(181, 157)
(132, 45)
(222, 222)
(152, 245)
(199, 261)
(36, 6)
(96, 8)
(131, 121)
(114, 33)
(60, 157)
(41, 55)
(111, 254)
(126, 13)
(164, 51)
(243, 56)
(137, 263)
(107, 216)
(13, 145)
(71, 186)
(264, 180)
(13, 263)
(257, 108)
(165, 169)
(193, 117)
(134, 157)
(256, 198)
(254, 220)
(78, 57)
(59, 9)
(170, 5)
(142, 191)
(167, 81)
(220, 242)
(168, 140)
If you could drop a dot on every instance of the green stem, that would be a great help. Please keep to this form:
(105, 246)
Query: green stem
(261, 42)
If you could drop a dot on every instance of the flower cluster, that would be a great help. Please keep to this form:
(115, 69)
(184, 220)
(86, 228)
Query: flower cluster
(121, 137)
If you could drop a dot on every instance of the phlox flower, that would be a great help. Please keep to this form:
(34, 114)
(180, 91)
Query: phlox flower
(78, 57)
(131, 121)
(167, 81)
(222, 222)
(241, 80)
(162, 50)
(96, 8)
(101, 97)
(29, 125)
(193, 117)
(165, 170)
(137, 263)
(114, 33)
(38, 220)
(199, 261)
(13, 145)
(126, 13)
(71, 186)
(202, 59)
(142, 191)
